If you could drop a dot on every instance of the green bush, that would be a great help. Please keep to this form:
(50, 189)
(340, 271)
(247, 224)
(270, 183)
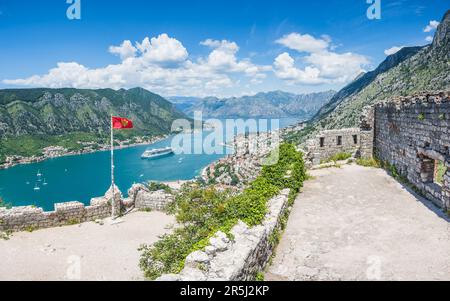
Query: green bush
(204, 211)
(441, 170)
(156, 186)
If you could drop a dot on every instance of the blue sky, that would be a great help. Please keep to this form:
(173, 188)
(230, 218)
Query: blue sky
(199, 48)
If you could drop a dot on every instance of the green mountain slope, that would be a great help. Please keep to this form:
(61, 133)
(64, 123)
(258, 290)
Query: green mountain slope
(410, 70)
(31, 119)
(274, 104)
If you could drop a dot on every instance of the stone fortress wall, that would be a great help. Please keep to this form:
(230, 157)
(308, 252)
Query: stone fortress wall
(328, 143)
(31, 218)
(410, 133)
(413, 134)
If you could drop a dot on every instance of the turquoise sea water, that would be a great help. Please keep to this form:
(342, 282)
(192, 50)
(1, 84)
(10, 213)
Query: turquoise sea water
(82, 177)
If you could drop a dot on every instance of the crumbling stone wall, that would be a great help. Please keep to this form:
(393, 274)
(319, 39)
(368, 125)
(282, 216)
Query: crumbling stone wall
(32, 218)
(239, 259)
(412, 133)
(144, 199)
(367, 133)
(328, 143)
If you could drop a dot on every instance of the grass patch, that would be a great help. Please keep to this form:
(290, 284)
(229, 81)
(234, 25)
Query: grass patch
(30, 229)
(146, 210)
(441, 170)
(202, 212)
(259, 276)
(372, 162)
(337, 157)
(72, 222)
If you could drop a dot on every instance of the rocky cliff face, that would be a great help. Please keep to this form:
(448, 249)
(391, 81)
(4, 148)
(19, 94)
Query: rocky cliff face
(409, 71)
(442, 37)
(62, 111)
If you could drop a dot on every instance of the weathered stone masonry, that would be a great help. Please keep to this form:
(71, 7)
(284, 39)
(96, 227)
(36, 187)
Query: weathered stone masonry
(31, 218)
(239, 259)
(412, 134)
(331, 142)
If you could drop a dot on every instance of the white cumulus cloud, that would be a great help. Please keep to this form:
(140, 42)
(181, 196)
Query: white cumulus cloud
(393, 50)
(431, 26)
(285, 69)
(304, 43)
(429, 39)
(160, 64)
(223, 58)
(162, 49)
(322, 65)
(125, 50)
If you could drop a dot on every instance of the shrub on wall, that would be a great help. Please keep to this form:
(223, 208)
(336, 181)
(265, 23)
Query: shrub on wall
(156, 186)
(204, 211)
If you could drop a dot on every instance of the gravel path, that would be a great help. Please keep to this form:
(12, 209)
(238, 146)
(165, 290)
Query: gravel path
(358, 223)
(88, 251)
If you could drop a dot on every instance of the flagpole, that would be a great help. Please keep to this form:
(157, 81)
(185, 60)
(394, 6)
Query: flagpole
(113, 202)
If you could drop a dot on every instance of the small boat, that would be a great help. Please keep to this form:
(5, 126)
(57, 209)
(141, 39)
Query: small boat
(157, 153)
(39, 174)
(37, 188)
(45, 183)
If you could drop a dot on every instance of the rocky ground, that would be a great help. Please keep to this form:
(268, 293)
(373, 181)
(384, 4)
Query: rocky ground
(357, 223)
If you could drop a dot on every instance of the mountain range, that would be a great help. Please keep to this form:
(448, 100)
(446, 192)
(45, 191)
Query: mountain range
(410, 70)
(31, 119)
(276, 104)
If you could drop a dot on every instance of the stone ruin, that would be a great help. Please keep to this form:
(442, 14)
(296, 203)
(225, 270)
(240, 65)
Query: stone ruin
(31, 218)
(411, 133)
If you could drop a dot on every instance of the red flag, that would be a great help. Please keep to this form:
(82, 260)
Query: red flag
(121, 123)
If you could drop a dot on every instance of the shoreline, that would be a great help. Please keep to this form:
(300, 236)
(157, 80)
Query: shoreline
(237, 159)
(38, 159)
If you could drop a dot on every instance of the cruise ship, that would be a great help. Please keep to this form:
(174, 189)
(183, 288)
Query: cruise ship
(157, 153)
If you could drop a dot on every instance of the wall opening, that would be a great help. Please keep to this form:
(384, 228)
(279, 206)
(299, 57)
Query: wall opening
(322, 141)
(339, 140)
(427, 170)
(432, 172)
(439, 172)
(355, 139)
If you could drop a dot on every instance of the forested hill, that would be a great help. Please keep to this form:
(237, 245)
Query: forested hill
(34, 118)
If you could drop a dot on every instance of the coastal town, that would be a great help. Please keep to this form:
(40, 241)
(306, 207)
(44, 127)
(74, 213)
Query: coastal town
(52, 152)
(242, 167)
